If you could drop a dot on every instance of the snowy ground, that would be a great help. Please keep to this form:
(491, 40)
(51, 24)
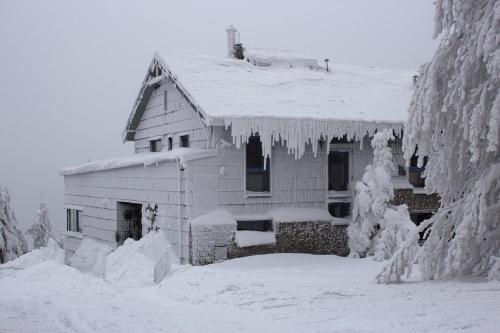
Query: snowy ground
(271, 293)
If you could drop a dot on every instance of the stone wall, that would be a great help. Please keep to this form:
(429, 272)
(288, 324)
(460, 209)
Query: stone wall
(416, 202)
(316, 237)
(207, 239)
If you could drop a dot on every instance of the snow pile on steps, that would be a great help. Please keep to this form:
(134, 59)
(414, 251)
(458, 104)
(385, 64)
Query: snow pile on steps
(296, 105)
(90, 257)
(51, 252)
(184, 155)
(134, 263)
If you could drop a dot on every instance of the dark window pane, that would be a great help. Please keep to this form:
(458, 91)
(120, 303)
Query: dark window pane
(165, 101)
(257, 225)
(338, 170)
(185, 141)
(415, 173)
(155, 145)
(257, 174)
(339, 209)
(170, 143)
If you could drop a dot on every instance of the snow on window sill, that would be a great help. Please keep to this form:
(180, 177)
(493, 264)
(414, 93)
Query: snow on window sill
(339, 194)
(257, 194)
(74, 234)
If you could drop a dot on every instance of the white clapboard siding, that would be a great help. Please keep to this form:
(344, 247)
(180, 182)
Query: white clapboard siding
(99, 192)
(179, 119)
(294, 183)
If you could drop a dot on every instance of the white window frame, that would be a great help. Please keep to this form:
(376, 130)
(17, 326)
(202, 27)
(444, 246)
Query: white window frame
(78, 214)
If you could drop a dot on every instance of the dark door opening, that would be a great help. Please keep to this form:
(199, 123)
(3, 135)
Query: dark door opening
(129, 222)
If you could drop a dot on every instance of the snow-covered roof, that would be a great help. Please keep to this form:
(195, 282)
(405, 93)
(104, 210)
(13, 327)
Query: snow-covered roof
(299, 105)
(183, 154)
(285, 58)
(224, 87)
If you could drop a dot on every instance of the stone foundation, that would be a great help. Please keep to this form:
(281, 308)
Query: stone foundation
(206, 238)
(315, 237)
(416, 202)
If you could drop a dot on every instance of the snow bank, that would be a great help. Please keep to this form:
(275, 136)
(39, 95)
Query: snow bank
(300, 215)
(183, 154)
(133, 264)
(246, 238)
(216, 217)
(90, 257)
(50, 252)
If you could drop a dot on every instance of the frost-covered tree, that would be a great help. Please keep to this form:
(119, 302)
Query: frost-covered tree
(454, 119)
(12, 242)
(378, 228)
(41, 230)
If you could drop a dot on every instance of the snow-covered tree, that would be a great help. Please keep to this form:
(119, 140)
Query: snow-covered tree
(378, 228)
(12, 242)
(454, 119)
(41, 230)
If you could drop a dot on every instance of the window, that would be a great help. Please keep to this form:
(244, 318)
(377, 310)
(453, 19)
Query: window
(257, 225)
(155, 145)
(339, 209)
(73, 220)
(169, 144)
(415, 173)
(338, 170)
(257, 173)
(185, 141)
(165, 100)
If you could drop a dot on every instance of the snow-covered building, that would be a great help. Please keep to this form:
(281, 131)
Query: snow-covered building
(256, 152)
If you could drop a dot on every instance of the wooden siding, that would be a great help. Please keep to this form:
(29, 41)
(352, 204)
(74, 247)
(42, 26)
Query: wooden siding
(294, 183)
(179, 119)
(99, 192)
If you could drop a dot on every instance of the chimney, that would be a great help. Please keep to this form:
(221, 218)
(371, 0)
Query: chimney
(231, 40)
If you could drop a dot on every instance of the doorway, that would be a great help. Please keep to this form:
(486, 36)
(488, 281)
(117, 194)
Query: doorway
(129, 221)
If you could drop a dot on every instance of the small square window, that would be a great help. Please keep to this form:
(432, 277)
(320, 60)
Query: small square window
(185, 141)
(155, 145)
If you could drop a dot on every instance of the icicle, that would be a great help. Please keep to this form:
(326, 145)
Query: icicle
(296, 133)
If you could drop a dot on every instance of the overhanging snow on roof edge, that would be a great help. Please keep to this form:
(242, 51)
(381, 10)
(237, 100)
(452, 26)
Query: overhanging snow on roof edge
(184, 155)
(297, 133)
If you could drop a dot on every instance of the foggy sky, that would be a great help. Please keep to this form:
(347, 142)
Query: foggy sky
(70, 70)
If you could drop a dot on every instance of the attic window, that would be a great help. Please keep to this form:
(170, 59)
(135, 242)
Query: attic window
(185, 141)
(257, 172)
(169, 143)
(155, 146)
(165, 101)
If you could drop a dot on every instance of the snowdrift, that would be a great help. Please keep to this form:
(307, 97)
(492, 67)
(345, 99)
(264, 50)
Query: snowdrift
(90, 257)
(51, 252)
(140, 263)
